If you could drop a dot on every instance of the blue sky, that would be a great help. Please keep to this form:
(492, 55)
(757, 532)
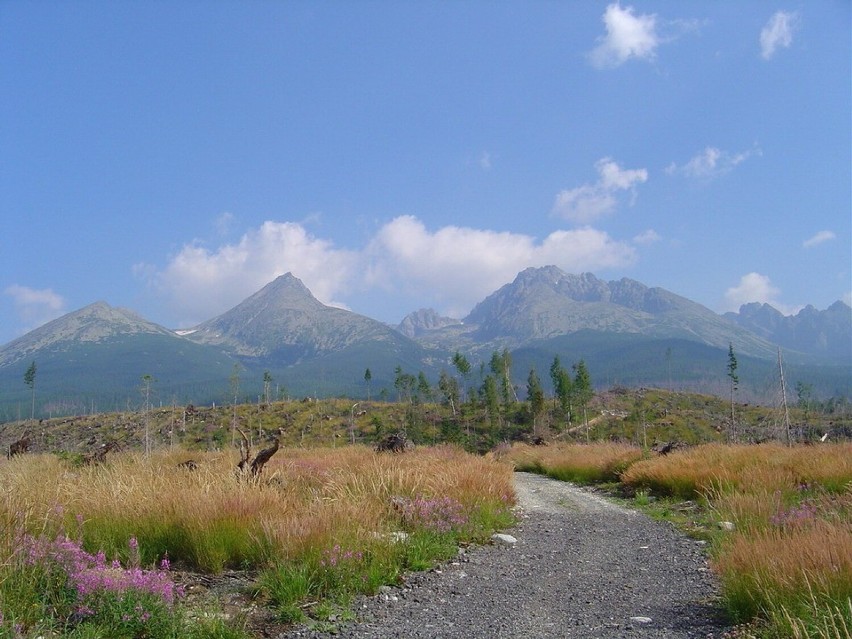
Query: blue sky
(173, 158)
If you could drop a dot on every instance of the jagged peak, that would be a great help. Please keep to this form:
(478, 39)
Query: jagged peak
(424, 320)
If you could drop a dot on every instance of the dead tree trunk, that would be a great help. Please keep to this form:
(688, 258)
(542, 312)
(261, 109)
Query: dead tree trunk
(254, 468)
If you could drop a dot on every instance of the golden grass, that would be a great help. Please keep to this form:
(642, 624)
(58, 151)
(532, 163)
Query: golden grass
(583, 463)
(211, 518)
(724, 468)
(780, 564)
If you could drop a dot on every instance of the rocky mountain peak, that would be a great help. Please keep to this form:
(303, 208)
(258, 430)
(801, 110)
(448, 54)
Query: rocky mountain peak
(422, 321)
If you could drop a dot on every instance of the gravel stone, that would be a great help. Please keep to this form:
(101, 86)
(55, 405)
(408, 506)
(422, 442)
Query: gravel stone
(582, 568)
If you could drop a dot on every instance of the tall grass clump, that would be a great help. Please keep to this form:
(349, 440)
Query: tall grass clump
(321, 523)
(788, 561)
(580, 463)
(377, 515)
(728, 469)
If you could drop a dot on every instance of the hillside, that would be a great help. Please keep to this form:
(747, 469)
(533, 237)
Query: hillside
(641, 416)
(628, 333)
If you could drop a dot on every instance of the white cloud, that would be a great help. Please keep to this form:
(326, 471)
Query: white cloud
(754, 287)
(819, 238)
(586, 203)
(647, 237)
(485, 161)
(711, 163)
(451, 267)
(201, 283)
(35, 307)
(777, 33)
(457, 267)
(847, 298)
(627, 36)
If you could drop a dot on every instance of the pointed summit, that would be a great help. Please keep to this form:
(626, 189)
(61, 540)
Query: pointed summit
(285, 322)
(289, 287)
(423, 321)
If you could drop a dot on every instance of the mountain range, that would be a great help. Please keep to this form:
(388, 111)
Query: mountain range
(628, 333)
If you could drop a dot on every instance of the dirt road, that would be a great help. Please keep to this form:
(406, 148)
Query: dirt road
(581, 567)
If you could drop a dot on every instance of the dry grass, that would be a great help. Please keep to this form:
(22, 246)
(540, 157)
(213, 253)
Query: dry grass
(722, 468)
(210, 518)
(764, 569)
(582, 463)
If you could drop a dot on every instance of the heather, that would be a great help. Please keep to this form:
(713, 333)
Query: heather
(786, 565)
(318, 526)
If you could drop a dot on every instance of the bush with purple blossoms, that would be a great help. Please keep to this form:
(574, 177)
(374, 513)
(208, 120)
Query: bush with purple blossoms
(78, 587)
(438, 514)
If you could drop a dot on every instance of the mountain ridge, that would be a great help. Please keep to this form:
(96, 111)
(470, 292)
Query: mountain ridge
(311, 348)
(810, 330)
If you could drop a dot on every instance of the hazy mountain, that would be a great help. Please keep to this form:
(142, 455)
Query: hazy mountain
(95, 358)
(423, 321)
(94, 323)
(546, 302)
(284, 323)
(827, 334)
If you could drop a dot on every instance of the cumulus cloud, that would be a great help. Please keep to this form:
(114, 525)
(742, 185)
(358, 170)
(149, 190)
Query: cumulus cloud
(754, 287)
(459, 266)
(711, 163)
(777, 33)
(627, 36)
(819, 238)
(452, 267)
(201, 283)
(35, 307)
(588, 202)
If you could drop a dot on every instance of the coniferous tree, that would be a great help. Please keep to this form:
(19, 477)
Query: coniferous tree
(535, 396)
(424, 389)
(463, 367)
(582, 390)
(491, 398)
(562, 385)
(267, 386)
(368, 376)
(501, 366)
(735, 380)
(29, 380)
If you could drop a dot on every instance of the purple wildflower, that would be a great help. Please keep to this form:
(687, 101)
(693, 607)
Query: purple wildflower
(441, 514)
(90, 575)
(796, 516)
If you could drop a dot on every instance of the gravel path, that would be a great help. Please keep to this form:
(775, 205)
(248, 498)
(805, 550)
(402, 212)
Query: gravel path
(582, 568)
